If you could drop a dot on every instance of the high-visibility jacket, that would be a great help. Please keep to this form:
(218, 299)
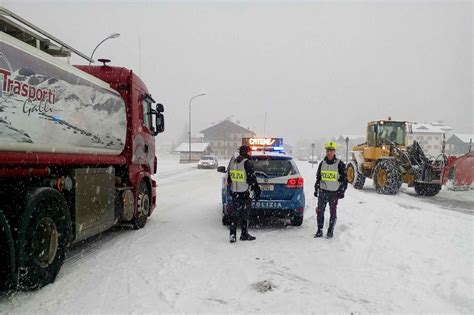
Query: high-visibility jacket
(238, 176)
(330, 176)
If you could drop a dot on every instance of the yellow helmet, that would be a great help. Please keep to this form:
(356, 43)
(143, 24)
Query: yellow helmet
(330, 145)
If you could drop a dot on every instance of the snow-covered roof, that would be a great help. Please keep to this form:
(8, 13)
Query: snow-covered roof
(243, 126)
(195, 147)
(442, 125)
(465, 137)
(429, 128)
(230, 121)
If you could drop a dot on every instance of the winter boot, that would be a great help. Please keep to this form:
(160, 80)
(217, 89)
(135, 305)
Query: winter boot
(233, 232)
(332, 223)
(245, 236)
(319, 233)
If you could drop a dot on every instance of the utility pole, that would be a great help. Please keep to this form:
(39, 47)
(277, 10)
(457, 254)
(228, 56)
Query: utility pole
(190, 101)
(265, 126)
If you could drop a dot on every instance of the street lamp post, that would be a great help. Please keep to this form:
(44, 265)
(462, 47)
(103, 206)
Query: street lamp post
(190, 101)
(347, 149)
(114, 35)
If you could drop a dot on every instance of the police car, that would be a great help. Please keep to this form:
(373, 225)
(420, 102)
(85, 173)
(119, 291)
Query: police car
(279, 179)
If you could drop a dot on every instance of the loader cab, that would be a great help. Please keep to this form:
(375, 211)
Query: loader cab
(386, 132)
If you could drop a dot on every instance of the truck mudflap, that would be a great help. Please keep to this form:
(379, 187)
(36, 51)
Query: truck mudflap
(7, 253)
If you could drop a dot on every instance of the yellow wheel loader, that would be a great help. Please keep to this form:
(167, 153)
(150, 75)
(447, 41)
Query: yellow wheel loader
(389, 161)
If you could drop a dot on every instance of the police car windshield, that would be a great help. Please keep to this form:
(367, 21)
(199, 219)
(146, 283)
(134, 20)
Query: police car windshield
(274, 167)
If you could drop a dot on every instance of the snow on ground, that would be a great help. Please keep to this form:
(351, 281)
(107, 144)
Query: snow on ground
(390, 254)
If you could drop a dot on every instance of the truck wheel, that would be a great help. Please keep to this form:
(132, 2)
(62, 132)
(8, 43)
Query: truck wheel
(7, 253)
(296, 221)
(43, 234)
(387, 177)
(424, 189)
(143, 206)
(354, 177)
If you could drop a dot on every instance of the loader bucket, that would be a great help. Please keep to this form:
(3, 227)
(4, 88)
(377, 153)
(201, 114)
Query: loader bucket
(7, 253)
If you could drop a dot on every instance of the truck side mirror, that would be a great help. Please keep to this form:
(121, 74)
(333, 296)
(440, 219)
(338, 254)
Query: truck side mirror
(221, 169)
(160, 108)
(159, 123)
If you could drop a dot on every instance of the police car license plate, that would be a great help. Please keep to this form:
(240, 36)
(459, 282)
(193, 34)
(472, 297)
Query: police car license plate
(267, 187)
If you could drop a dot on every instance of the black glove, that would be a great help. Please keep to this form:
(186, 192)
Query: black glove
(256, 193)
(316, 193)
(340, 194)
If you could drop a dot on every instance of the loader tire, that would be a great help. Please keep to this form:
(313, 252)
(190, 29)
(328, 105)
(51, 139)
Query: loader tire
(387, 177)
(354, 177)
(43, 235)
(424, 189)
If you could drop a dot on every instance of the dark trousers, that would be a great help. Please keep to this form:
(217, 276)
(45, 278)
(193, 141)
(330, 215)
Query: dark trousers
(242, 205)
(325, 197)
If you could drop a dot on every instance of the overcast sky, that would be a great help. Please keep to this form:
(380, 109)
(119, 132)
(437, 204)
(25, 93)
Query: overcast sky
(317, 68)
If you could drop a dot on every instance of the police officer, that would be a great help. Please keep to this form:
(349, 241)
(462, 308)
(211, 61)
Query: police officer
(331, 184)
(241, 179)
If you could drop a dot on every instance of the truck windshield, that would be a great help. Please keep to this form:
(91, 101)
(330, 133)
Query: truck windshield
(274, 167)
(146, 103)
(389, 132)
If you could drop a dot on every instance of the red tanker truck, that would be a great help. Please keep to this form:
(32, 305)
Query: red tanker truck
(77, 152)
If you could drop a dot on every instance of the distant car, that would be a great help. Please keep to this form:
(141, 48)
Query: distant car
(208, 161)
(281, 184)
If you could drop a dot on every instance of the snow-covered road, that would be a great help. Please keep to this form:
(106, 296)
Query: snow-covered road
(390, 254)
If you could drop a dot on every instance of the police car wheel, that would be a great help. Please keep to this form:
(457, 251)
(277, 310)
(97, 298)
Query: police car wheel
(296, 221)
